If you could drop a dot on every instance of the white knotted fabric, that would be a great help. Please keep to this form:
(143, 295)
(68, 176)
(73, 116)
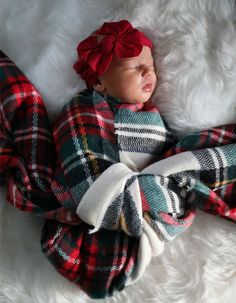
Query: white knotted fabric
(111, 183)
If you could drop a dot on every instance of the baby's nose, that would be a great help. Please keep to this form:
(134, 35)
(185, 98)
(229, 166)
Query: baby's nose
(146, 70)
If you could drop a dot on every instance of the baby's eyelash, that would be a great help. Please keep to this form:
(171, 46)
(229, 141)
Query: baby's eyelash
(132, 67)
(137, 66)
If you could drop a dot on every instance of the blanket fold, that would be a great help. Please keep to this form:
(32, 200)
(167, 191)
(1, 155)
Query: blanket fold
(111, 198)
(27, 150)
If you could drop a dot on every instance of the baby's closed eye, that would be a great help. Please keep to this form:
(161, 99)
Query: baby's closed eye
(141, 66)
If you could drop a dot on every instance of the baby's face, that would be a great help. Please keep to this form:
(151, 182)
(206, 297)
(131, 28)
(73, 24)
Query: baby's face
(132, 80)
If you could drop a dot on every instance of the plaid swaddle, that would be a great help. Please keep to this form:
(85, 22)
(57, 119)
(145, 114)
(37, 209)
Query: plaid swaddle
(110, 196)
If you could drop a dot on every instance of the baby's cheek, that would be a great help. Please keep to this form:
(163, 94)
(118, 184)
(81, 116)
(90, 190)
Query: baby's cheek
(125, 83)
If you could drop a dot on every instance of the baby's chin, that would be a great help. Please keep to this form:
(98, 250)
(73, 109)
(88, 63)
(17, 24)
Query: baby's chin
(141, 98)
(144, 98)
(135, 101)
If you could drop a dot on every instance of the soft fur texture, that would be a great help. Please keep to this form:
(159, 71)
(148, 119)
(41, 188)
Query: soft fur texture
(195, 44)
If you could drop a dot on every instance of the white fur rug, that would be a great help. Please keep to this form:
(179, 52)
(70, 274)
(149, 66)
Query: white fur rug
(195, 42)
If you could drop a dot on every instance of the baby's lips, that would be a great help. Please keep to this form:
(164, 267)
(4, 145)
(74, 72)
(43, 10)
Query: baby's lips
(147, 87)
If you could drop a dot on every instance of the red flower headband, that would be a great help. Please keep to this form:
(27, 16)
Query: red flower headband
(113, 38)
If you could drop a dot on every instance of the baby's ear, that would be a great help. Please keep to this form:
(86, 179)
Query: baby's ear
(99, 87)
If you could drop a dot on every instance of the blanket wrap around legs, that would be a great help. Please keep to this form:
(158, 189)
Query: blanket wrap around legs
(105, 216)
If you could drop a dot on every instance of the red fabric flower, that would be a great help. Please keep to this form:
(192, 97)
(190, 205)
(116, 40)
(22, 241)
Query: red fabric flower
(113, 38)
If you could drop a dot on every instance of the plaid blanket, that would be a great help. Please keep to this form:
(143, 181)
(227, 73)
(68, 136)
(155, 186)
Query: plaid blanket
(98, 236)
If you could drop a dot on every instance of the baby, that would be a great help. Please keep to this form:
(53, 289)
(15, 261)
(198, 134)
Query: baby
(106, 138)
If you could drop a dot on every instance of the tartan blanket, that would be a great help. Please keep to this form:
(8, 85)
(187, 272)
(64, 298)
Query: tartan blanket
(110, 196)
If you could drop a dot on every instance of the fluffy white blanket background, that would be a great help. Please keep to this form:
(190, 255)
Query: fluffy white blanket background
(195, 42)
